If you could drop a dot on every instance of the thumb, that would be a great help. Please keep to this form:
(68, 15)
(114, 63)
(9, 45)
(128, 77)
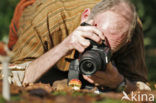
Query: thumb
(111, 68)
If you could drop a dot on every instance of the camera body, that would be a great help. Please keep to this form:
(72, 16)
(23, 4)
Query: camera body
(94, 58)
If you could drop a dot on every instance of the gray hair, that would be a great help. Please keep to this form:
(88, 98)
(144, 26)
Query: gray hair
(105, 5)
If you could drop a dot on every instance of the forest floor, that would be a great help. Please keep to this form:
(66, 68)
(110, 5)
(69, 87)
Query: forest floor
(44, 93)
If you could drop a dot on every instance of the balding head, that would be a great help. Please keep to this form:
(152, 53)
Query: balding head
(123, 7)
(116, 19)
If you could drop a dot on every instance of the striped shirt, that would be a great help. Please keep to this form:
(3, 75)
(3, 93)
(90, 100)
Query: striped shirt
(45, 24)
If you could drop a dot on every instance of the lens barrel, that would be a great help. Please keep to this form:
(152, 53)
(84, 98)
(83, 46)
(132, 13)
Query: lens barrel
(90, 62)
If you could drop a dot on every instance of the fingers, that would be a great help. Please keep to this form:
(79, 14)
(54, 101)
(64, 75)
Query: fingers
(88, 79)
(79, 47)
(79, 43)
(92, 36)
(100, 73)
(84, 42)
(92, 29)
(79, 38)
(93, 79)
(97, 79)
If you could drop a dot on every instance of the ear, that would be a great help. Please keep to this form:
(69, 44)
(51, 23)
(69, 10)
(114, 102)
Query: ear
(85, 15)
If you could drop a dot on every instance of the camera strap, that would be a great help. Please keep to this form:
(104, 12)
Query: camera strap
(73, 70)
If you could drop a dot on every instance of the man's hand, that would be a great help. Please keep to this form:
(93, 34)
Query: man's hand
(77, 40)
(110, 77)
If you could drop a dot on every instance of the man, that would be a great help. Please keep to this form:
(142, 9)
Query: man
(49, 33)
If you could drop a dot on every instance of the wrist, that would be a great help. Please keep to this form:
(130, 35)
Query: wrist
(65, 46)
(119, 80)
(122, 86)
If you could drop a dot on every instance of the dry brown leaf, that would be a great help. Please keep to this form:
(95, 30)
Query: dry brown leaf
(46, 87)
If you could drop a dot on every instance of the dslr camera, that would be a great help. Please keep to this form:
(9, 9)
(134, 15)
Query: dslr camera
(94, 58)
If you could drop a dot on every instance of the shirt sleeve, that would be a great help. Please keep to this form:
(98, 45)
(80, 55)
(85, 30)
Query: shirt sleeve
(28, 47)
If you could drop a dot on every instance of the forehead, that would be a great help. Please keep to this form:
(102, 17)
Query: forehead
(112, 21)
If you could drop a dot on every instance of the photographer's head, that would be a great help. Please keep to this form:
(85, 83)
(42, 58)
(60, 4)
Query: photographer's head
(115, 18)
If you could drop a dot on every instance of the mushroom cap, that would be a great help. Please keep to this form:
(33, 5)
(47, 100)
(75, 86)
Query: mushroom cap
(75, 83)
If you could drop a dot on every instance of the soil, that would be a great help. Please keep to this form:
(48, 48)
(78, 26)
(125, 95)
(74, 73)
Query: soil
(45, 93)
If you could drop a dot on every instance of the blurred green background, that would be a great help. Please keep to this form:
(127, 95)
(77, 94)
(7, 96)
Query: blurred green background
(146, 11)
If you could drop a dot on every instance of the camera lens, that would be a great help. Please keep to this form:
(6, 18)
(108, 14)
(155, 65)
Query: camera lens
(90, 62)
(88, 67)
